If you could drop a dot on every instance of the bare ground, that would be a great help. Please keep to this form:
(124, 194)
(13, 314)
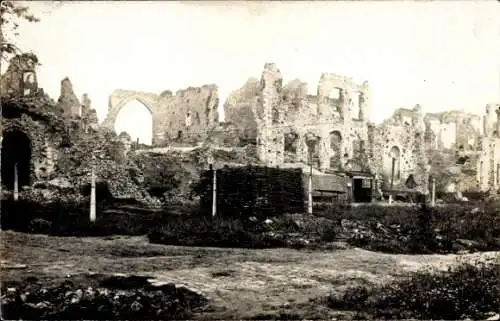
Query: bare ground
(240, 283)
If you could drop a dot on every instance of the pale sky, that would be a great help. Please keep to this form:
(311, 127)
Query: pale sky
(442, 55)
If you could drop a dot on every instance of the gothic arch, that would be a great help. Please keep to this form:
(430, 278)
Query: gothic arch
(119, 98)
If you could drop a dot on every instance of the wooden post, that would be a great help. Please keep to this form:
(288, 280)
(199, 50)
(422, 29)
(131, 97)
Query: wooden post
(214, 192)
(392, 172)
(92, 191)
(433, 196)
(349, 191)
(372, 189)
(310, 199)
(16, 183)
(392, 179)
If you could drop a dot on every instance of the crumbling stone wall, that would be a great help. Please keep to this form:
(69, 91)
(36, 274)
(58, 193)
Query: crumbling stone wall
(453, 130)
(20, 78)
(240, 108)
(89, 120)
(27, 110)
(488, 164)
(43, 143)
(304, 123)
(270, 117)
(68, 101)
(402, 138)
(61, 149)
(340, 98)
(186, 116)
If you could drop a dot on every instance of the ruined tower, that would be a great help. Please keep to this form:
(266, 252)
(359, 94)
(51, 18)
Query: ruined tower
(68, 100)
(270, 117)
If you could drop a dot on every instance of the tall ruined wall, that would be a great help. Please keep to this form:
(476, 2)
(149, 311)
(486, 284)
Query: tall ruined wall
(340, 98)
(240, 108)
(464, 148)
(401, 138)
(270, 117)
(488, 174)
(186, 116)
(453, 130)
(89, 118)
(331, 130)
(489, 164)
(27, 112)
(68, 101)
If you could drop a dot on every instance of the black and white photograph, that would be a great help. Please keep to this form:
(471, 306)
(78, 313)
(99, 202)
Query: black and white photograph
(250, 160)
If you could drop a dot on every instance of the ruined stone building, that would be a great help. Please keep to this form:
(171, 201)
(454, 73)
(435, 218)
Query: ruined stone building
(331, 130)
(185, 116)
(28, 137)
(34, 127)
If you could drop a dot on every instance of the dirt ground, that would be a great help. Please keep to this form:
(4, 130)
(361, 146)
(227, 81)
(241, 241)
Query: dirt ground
(240, 283)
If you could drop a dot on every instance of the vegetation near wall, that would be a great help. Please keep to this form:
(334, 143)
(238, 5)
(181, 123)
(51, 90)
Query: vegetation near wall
(403, 229)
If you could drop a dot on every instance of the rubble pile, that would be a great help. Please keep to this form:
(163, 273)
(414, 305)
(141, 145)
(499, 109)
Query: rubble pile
(395, 238)
(374, 235)
(110, 164)
(31, 300)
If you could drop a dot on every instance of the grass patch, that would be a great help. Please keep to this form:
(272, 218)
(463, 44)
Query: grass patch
(416, 230)
(216, 232)
(409, 230)
(467, 291)
(71, 218)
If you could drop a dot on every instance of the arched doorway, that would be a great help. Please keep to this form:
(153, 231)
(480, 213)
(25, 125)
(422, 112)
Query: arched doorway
(16, 150)
(135, 119)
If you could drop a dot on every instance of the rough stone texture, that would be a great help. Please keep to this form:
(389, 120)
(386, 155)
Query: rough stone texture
(89, 120)
(488, 173)
(185, 116)
(332, 131)
(68, 100)
(289, 126)
(44, 144)
(240, 106)
(60, 147)
(401, 137)
(20, 77)
(270, 117)
(227, 135)
(453, 129)
(305, 126)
